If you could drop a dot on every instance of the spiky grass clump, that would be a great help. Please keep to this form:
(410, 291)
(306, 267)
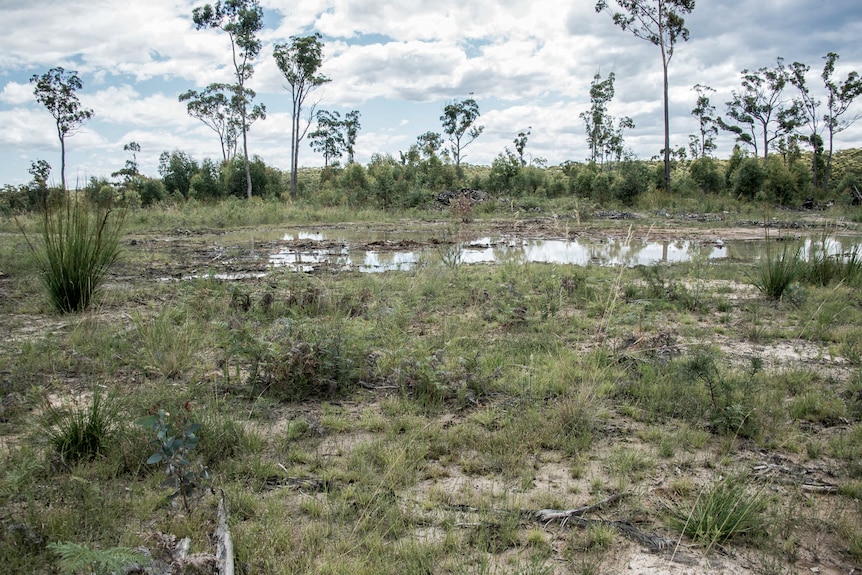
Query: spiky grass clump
(727, 510)
(79, 245)
(774, 276)
(80, 434)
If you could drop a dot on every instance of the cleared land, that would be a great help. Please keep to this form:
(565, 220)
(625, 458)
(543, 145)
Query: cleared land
(415, 422)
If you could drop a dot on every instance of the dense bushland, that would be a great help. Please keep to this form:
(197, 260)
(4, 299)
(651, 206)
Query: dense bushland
(414, 181)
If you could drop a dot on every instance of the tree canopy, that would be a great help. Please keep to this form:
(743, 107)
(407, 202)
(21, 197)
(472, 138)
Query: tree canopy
(299, 61)
(459, 118)
(661, 23)
(56, 90)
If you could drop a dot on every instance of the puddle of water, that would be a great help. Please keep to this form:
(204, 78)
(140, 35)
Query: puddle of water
(329, 248)
(487, 250)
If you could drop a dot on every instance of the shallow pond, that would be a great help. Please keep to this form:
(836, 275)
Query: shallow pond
(349, 249)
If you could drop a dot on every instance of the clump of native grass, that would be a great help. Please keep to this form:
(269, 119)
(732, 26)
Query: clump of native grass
(80, 434)
(726, 510)
(79, 244)
(775, 275)
(823, 265)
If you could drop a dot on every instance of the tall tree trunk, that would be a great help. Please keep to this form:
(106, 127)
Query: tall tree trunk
(294, 130)
(666, 124)
(814, 174)
(828, 170)
(62, 156)
(247, 168)
(245, 142)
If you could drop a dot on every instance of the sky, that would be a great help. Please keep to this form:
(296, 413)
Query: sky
(527, 64)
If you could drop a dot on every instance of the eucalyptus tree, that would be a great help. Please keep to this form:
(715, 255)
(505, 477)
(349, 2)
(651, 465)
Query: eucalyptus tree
(604, 132)
(351, 131)
(300, 61)
(661, 23)
(809, 115)
(760, 110)
(242, 20)
(703, 143)
(334, 137)
(839, 97)
(56, 91)
(520, 142)
(459, 123)
(596, 119)
(328, 138)
(130, 171)
(216, 107)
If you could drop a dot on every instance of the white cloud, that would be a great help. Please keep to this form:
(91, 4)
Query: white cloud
(527, 64)
(14, 93)
(124, 105)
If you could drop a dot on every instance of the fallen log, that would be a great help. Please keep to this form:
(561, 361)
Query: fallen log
(651, 541)
(224, 544)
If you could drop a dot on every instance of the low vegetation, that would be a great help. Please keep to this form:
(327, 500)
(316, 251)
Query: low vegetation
(415, 421)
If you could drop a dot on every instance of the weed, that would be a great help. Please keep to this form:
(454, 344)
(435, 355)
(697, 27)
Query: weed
(727, 510)
(732, 410)
(305, 361)
(461, 207)
(79, 245)
(438, 379)
(80, 434)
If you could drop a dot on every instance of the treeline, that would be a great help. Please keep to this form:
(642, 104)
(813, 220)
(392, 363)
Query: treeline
(416, 178)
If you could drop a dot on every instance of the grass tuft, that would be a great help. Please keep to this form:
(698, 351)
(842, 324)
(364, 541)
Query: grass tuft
(79, 245)
(774, 276)
(80, 434)
(727, 510)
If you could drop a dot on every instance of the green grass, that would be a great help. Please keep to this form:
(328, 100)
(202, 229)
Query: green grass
(729, 509)
(80, 433)
(774, 275)
(79, 244)
(407, 422)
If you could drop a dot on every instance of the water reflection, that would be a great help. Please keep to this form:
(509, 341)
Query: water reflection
(487, 250)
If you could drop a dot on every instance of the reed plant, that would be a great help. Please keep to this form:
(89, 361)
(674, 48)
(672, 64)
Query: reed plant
(775, 275)
(79, 244)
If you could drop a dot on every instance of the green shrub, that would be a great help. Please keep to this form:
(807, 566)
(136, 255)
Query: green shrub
(152, 191)
(79, 245)
(749, 178)
(704, 171)
(780, 184)
(634, 180)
